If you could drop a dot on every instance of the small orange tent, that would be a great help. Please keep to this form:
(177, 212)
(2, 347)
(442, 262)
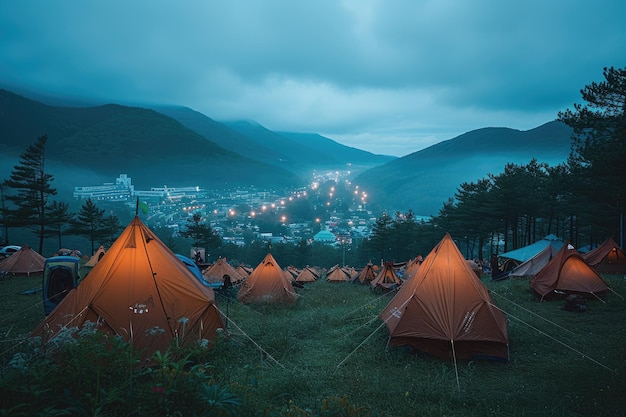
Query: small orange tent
(96, 257)
(140, 291)
(25, 261)
(219, 269)
(267, 283)
(307, 275)
(568, 273)
(337, 274)
(446, 311)
(608, 258)
(387, 278)
(367, 274)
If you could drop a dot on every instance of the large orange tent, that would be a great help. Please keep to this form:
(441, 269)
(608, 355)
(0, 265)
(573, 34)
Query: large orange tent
(568, 273)
(446, 311)
(267, 283)
(140, 291)
(25, 261)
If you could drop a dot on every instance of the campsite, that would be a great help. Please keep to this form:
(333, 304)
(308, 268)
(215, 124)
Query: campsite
(328, 353)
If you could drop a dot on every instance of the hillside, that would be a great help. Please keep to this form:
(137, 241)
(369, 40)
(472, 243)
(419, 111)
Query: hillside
(107, 140)
(424, 180)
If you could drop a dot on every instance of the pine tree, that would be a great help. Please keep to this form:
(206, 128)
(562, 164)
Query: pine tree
(59, 217)
(89, 223)
(599, 140)
(33, 186)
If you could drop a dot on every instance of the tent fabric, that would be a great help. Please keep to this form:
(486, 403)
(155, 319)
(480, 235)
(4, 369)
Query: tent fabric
(525, 253)
(25, 261)
(140, 291)
(567, 273)
(387, 278)
(608, 258)
(267, 283)
(445, 310)
(532, 266)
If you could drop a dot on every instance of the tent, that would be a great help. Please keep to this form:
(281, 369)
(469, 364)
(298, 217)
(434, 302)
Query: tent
(267, 283)
(25, 261)
(96, 257)
(387, 278)
(516, 257)
(141, 292)
(221, 268)
(532, 266)
(337, 274)
(366, 275)
(568, 273)
(445, 310)
(608, 258)
(307, 275)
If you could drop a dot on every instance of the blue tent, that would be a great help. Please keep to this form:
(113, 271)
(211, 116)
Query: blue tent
(523, 254)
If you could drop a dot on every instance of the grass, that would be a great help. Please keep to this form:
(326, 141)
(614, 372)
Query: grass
(326, 355)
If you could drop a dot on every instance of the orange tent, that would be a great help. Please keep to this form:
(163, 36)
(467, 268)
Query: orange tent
(387, 278)
(367, 274)
(216, 272)
(267, 284)
(96, 257)
(307, 275)
(568, 273)
(140, 291)
(446, 311)
(608, 258)
(25, 261)
(337, 274)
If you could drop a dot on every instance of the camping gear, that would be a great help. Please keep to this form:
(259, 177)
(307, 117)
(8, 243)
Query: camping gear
(60, 275)
(141, 292)
(445, 310)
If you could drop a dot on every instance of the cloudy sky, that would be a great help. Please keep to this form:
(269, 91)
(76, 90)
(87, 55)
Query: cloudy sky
(386, 76)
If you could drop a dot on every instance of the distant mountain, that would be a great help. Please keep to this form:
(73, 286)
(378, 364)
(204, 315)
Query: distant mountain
(152, 148)
(300, 153)
(424, 180)
(305, 152)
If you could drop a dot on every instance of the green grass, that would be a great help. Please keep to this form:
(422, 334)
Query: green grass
(326, 355)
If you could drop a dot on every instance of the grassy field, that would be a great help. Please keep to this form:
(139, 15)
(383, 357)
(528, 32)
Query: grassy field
(328, 352)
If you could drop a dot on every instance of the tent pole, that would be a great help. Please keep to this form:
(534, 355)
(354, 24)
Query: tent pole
(456, 368)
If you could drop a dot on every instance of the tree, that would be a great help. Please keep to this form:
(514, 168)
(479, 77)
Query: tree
(111, 229)
(201, 233)
(58, 217)
(33, 186)
(89, 223)
(599, 143)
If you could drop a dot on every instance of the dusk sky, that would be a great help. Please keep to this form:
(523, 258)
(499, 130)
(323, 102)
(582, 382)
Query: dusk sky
(386, 76)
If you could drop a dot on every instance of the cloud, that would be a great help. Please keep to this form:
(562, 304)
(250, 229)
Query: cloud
(384, 76)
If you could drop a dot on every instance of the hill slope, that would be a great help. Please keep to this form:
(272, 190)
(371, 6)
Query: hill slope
(424, 180)
(150, 147)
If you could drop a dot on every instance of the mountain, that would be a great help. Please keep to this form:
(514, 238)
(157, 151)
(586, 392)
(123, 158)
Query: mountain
(300, 153)
(152, 148)
(424, 180)
(306, 152)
